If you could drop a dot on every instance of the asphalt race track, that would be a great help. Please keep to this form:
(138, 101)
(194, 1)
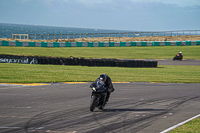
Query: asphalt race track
(177, 62)
(64, 108)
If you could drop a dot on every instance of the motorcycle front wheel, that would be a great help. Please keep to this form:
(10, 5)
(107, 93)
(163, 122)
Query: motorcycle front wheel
(93, 103)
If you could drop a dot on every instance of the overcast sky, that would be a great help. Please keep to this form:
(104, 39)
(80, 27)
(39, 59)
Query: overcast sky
(139, 15)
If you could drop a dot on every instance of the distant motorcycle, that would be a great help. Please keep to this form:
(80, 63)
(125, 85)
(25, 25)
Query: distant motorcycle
(98, 98)
(178, 57)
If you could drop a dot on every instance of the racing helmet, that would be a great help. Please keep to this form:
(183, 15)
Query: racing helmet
(180, 52)
(102, 77)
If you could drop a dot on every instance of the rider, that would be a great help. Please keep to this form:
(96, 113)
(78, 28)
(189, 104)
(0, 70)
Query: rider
(180, 55)
(108, 83)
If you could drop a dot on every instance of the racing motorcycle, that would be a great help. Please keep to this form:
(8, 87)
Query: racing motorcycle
(98, 97)
(178, 57)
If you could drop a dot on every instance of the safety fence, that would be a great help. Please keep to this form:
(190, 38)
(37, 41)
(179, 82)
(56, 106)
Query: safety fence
(77, 61)
(98, 44)
(101, 35)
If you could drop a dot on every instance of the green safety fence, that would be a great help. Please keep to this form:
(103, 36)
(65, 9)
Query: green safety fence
(98, 44)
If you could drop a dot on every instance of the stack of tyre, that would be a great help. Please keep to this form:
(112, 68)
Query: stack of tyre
(107, 62)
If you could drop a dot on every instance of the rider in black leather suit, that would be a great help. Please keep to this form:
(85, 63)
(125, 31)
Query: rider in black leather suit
(108, 83)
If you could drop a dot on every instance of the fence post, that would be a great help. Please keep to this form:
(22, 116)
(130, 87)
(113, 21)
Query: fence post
(183, 32)
(35, 36)
(98, 35)
(133, 34)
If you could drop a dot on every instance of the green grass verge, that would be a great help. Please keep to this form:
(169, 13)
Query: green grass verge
(190, 127)
(148, 52)
(26, 73)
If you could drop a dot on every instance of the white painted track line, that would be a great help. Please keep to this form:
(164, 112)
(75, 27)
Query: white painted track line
(180, 124)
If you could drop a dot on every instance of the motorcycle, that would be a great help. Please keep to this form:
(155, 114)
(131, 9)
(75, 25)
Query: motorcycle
(178, 57)
(98, 97)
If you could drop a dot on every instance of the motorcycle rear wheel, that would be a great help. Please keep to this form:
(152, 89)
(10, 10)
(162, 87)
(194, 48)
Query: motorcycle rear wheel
(93, 103)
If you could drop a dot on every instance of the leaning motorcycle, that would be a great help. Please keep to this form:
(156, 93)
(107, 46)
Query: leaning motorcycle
(178, 57)
(98, 97)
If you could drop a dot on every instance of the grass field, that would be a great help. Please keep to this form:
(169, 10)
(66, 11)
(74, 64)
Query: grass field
(191, 127)
(22, 73)
(25, 73)
(51, 73)
(155, 52)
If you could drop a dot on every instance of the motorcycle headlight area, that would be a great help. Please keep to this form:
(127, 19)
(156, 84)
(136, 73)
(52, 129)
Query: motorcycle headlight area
(94, 89)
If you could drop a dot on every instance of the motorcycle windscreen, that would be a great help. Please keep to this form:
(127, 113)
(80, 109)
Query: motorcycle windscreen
(100, 86)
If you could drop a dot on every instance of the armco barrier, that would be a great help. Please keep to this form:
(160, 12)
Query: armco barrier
(98, 44)
(76, 61)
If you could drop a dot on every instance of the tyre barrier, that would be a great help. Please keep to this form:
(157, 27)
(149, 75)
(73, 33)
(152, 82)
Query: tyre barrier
(104, 62)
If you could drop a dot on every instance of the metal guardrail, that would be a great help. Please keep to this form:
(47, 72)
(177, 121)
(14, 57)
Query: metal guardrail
(108, 35)
(20, 36)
